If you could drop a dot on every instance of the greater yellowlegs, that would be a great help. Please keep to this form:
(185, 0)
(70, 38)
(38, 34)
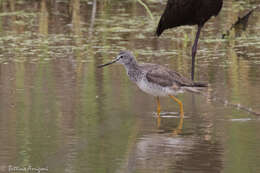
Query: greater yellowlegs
(155, 79)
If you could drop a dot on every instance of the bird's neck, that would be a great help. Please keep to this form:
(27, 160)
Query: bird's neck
(133, 71)
(131, 65)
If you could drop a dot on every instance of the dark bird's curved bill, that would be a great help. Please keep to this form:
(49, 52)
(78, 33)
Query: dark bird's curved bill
(103, 65)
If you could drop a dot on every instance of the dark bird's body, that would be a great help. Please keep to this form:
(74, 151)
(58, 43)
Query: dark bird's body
(188, 12)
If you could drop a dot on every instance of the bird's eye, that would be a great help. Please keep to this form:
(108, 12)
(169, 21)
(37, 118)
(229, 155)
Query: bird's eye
(121, 57)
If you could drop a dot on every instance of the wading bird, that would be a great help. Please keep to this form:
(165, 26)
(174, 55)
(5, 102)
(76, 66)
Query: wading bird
(188, 12)
(155, 79)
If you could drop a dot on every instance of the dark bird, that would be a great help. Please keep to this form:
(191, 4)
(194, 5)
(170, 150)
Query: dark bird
(188, 12)
(241, 24)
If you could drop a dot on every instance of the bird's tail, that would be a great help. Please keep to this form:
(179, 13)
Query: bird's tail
(196, 87)
(200, 84)
(197, 90)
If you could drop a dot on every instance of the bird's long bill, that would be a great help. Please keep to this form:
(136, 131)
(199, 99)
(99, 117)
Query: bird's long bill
(103, 65)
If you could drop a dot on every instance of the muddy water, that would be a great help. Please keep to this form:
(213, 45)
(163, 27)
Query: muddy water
(58, 112)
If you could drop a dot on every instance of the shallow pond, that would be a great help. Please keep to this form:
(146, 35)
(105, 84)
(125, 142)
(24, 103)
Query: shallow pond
(60, 113)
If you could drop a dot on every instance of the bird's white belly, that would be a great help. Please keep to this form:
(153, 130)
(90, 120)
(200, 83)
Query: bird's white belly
(156, 90)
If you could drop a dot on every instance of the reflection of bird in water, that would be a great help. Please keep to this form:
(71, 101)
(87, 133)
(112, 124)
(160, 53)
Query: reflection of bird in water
(165, 153)
(188, 12)
(156, 80)
(241, 24)
(161, 151)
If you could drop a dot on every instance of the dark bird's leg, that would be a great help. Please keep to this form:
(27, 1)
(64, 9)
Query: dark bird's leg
(194, 51)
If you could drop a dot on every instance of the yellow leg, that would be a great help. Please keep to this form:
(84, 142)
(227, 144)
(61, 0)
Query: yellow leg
(158, 106)
(158, 112)
(179, 128)
(158, 122)
(180, 104)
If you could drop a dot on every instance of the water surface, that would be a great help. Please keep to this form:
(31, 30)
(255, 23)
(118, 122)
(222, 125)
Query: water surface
(59, 112)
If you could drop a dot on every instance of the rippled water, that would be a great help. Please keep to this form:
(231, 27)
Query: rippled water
(60, 113)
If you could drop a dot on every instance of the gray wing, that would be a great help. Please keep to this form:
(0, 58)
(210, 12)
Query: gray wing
(167, 78)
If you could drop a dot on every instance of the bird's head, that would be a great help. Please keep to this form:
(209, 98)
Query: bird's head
(124, 57)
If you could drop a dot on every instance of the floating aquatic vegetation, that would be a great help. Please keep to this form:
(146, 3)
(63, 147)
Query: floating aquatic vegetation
(18, 13)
